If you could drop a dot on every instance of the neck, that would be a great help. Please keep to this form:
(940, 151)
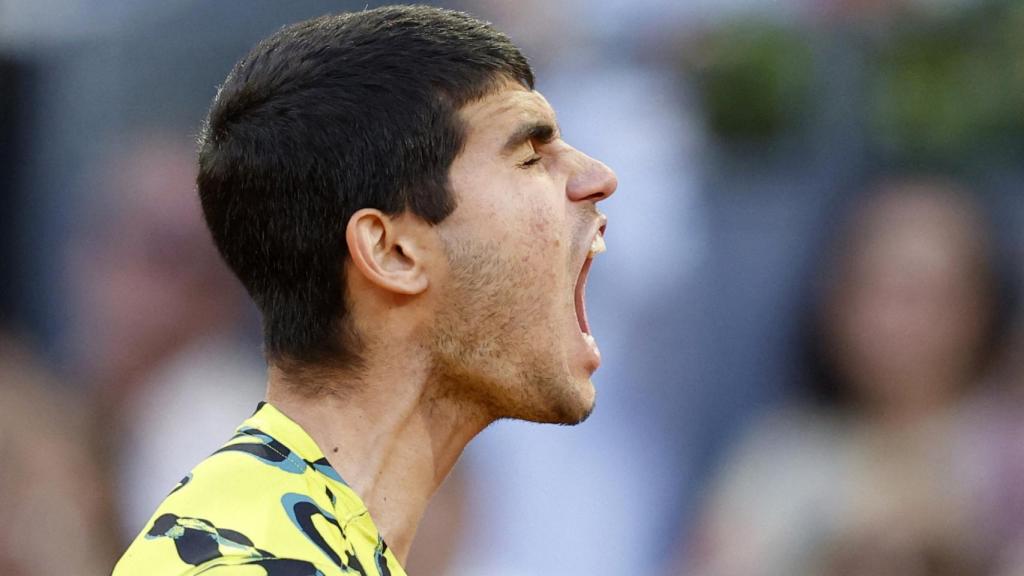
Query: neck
(391, 435)
(919, 400)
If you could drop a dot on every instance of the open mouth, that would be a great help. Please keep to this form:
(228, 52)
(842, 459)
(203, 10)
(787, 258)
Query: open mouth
(596, 247)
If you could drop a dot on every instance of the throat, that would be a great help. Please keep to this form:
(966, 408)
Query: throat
(393, 438)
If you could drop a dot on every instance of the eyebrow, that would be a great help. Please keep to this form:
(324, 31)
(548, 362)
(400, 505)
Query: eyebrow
(542, 131)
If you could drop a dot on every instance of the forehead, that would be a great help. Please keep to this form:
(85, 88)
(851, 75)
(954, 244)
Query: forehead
(492, 118)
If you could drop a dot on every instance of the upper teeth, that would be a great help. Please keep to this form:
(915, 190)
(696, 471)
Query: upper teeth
(597, 246)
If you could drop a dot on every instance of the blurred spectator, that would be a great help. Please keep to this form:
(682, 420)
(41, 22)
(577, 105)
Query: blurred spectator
(875, 477)
(157, 325)
(705, 241)
(997, 427)
(53, 520)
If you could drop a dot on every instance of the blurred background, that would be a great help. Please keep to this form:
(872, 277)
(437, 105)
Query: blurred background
(813, 352)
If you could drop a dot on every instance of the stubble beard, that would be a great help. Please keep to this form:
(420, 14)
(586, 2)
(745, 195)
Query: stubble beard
(481, 344)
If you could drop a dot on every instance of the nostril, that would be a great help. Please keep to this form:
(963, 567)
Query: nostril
(590, 180)
(594, 185)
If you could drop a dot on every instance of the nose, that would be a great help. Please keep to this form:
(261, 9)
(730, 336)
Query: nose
(591, 180)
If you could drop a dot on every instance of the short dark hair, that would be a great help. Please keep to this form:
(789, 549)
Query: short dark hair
(324, 118)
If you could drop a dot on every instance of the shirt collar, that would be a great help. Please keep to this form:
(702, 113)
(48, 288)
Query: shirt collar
(271, 421)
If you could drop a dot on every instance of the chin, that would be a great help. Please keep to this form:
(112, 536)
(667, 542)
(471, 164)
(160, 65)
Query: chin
(566, 401)
(585, 406)
(518, 380)
(581, 415)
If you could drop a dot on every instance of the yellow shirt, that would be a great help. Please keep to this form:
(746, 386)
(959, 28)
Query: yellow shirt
(266, 504)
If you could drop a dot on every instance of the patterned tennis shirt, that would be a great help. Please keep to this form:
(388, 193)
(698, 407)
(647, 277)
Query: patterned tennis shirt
(266, 504)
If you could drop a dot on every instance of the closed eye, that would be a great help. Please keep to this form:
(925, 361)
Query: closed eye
(530, 161)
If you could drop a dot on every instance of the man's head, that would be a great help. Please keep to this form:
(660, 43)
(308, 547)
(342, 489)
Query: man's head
(390, 177)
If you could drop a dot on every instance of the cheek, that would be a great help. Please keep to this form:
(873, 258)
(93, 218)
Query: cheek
(545, 233)
(525, 225)
(542, 258)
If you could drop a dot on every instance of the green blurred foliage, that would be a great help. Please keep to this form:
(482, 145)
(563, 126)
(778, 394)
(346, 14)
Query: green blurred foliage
(951, 85)
(935, 86)
(755, 80)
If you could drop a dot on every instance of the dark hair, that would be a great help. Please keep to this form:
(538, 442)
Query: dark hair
(324, 118)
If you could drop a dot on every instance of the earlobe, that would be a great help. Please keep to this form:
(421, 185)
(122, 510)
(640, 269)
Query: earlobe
(383, 254)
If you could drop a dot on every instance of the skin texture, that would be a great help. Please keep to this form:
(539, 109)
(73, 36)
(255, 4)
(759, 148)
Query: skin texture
(465, 322)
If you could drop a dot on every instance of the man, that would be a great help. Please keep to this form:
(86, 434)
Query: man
(400, 205)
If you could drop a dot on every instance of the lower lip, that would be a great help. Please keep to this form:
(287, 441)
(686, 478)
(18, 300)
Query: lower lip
(593, 353)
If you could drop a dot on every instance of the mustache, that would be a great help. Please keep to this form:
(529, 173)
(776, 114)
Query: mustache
(584, 224)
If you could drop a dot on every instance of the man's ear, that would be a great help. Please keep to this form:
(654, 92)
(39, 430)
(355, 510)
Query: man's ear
(385, 250)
